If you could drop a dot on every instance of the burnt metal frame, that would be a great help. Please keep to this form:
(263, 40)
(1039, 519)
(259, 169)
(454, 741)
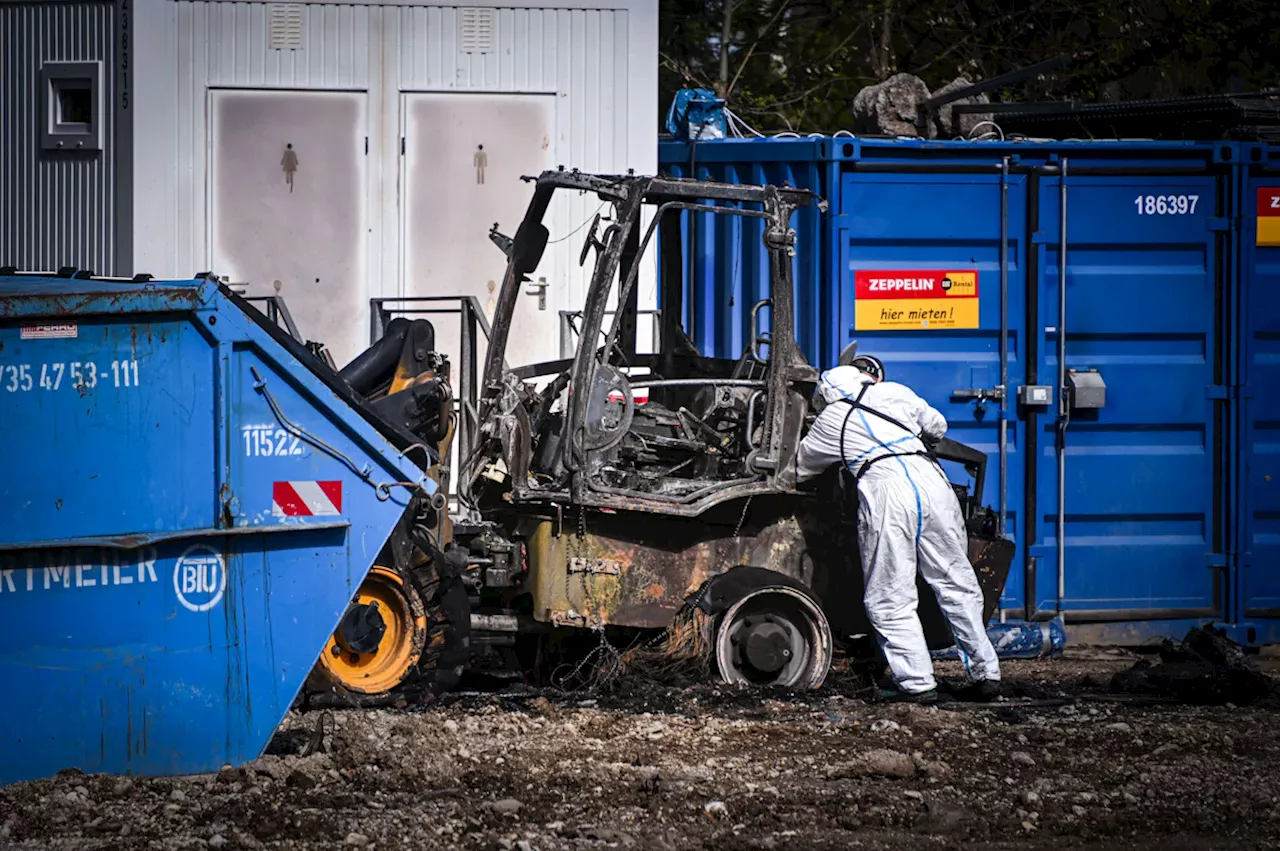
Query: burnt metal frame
(629, 194)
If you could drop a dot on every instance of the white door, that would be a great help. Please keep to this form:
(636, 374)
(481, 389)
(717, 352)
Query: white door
(464, 157)
(288, 206)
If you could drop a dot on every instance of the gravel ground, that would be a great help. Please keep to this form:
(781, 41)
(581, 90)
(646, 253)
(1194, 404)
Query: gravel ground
(711, 767)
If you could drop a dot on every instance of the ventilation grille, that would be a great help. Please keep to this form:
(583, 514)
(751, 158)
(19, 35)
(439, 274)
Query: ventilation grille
(477, 30)
(286, 26)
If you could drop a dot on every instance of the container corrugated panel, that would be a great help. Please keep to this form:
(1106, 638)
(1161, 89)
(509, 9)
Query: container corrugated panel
(1257, 382)
(56, 209)
(166, 594)
(1147, 249)
(717, 310)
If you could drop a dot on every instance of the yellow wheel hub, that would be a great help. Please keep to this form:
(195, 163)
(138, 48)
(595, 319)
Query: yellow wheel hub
(380, 638)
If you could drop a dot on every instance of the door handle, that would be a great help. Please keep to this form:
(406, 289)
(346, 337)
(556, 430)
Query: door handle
(982, 394)
(540, 290)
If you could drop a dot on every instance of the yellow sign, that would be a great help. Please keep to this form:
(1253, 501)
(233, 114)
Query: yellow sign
(915, 300)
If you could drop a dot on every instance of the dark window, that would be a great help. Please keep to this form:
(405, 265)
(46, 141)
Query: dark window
(75, 103)
(73, 106)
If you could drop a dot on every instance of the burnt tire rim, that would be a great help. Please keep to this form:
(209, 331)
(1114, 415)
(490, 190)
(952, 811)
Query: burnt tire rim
(774, 636)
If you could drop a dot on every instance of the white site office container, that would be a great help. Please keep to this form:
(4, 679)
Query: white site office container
(333, 152)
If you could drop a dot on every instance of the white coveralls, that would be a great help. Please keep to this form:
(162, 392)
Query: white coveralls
(908, 517)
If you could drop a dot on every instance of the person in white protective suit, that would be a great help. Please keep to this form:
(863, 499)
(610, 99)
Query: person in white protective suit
(908, 518)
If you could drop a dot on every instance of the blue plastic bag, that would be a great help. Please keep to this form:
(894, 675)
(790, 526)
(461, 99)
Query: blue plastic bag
(697, 115)
(1020, 640)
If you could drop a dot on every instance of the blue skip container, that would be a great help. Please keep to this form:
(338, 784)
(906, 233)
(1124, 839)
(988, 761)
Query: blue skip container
(188, 501)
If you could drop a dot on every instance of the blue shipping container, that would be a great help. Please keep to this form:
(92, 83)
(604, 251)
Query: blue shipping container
(1256, 387)
(1148, 251)
(161, 608)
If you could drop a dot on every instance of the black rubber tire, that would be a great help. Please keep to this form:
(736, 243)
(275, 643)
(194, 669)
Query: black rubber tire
(445, 652)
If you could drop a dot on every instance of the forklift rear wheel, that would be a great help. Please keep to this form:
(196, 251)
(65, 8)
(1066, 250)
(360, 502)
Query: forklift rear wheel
(774, 636)
(380, 638)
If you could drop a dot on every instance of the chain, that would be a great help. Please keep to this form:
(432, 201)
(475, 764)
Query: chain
(577, 550)
(582, 554)
(737, 530)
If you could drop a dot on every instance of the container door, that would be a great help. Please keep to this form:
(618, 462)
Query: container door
(922, 290)
(1143, 473)
(464, 155)
(1259, 397)
(288, 206)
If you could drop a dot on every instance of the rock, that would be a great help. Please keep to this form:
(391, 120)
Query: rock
(1120, 727)
(1028, 826)
(1164, 749)
(880, 762)
(950, 124)
(1130, 798)
(451, 725)
(524, 845)
(122, 787)
(227, 774)
(1078, 810)
(934, 769)
(884, 725)
(357, 840)
(1022, 758)
(611, 836)
(507, 806)
(1029, 798)
(217, 841)
(892, 107)
(716, 809)
(913, 794)
(177, 795)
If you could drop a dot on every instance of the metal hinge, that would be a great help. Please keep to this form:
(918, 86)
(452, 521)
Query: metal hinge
(595, 566)
(571, 618)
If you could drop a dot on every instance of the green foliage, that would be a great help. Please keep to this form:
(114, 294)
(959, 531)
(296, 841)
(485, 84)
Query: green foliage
(797, 64)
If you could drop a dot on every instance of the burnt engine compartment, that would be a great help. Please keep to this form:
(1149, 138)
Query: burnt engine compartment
(685, 433)
(706, 440)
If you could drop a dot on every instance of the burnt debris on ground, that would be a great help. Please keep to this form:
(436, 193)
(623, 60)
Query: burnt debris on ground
(1205, 668)
(707, 767)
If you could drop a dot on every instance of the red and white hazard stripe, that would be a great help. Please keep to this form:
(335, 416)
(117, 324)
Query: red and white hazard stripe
(306, 499)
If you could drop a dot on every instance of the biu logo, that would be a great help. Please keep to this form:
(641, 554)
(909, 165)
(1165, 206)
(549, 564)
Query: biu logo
(200, 578)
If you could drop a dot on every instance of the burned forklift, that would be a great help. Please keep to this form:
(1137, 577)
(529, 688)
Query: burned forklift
(616, 491)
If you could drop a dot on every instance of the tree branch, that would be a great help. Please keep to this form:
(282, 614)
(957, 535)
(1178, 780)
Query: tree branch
(726, 38)
(755, 43)
(882, 57)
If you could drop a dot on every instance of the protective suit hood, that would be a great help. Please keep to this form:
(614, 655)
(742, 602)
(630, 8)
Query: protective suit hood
(842, 382)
